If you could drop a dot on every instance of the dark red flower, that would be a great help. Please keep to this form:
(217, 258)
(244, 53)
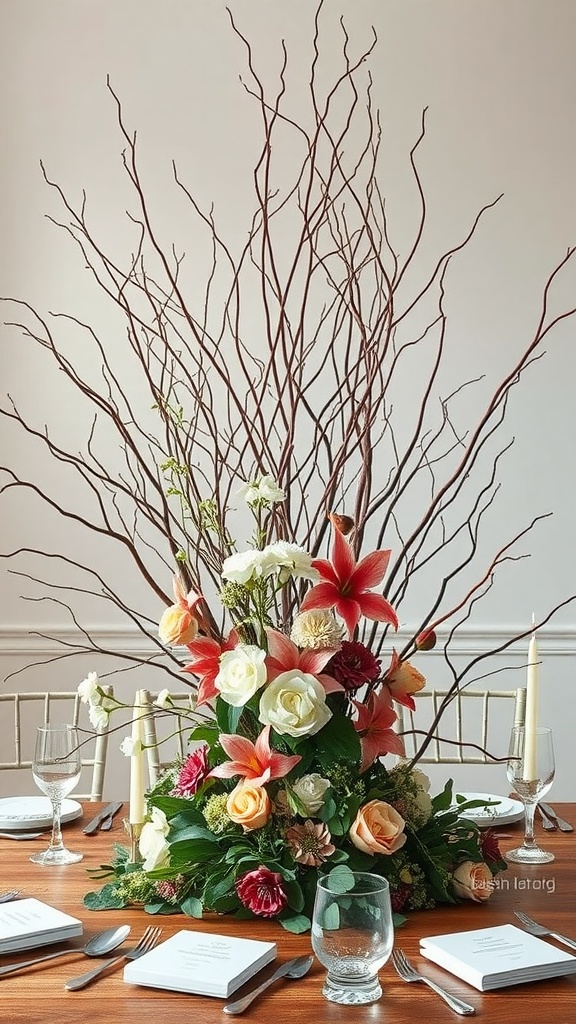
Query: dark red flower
(489, 845)
(261, 892)
(353, 665)
(192, 773)
(399, 897)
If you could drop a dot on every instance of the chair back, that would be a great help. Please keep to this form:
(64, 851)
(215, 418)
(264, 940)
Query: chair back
(166, 731)
(22, 713)
(474, 724)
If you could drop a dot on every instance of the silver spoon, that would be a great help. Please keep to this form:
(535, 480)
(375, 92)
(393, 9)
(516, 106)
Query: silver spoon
(98, 945)
(293, 969)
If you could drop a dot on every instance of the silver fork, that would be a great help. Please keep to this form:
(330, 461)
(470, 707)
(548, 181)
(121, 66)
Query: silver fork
(6, 897)
(538, 929)
(147, 942)
(404, 968)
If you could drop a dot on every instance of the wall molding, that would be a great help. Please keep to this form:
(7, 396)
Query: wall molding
(20, 640)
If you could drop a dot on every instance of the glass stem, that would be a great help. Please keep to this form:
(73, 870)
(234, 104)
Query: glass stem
(56, 840)
(530, 810)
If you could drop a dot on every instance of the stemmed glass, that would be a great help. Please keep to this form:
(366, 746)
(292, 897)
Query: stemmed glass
(352, 935)
(531, 777)
(56, 769)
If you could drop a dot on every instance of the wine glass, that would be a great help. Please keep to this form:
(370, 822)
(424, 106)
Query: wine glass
(531, 771)
(56, 770)
(352, 935)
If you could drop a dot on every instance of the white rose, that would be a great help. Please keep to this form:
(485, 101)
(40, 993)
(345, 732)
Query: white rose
(294, 704)
(422, 798)
(310, 790)
(292, 560)
(152, 844)
(89, 689)
(264, 489)
(163, 700)
(242, 672)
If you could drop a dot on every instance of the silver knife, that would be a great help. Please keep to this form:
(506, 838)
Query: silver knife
(106, 812)
(564, 826)
(295, 968)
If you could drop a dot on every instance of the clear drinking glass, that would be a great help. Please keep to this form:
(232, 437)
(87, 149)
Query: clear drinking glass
(56, 770)
(531, 771)
(352, 935)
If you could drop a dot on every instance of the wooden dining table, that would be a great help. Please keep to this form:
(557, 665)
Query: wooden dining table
(37, 994)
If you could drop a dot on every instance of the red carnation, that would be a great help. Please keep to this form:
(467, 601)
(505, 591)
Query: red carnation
(261, 892)
(353, 665)
(192, 773)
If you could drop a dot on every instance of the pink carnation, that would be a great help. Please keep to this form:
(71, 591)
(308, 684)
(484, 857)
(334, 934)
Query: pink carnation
(261, 892)
(192, 773)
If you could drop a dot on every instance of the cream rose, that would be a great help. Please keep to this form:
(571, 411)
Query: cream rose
(249, 806)
(378, 828)
(242, 672)
(472, 880)
(310, 790)
(294, 704)
(152, 844)
(177, 626)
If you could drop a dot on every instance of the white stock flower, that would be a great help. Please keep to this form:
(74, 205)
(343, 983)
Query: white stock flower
(89, 689)
(292, 560)
(98, 716)
(130, 746)
(163, 700)
(242, 672)
(265, 489)
(310, 790)
(294, 704)
(245, 565)
(152, 844)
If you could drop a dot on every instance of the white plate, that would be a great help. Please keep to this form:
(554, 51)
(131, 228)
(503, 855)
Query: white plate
(505, 812)
(23, 812)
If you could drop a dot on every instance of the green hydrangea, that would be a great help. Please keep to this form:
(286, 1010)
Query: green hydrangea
(215, 813)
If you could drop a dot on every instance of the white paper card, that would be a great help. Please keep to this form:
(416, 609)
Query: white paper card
(200, 962)
(27, 923)
(489, 958)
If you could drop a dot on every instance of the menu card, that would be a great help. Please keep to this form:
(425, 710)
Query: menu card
(27, 923)
(489, 958)
(200, 962)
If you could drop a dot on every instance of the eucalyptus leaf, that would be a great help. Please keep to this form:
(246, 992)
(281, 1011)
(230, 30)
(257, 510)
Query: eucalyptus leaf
(341, 879)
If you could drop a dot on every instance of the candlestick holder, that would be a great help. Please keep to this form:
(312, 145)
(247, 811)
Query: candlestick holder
(531, 779)
(134, 830)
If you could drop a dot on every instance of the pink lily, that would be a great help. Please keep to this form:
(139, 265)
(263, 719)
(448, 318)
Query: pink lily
(255, 761)
(283, 656)
(345, 585)
(205, 663)
(374, 723)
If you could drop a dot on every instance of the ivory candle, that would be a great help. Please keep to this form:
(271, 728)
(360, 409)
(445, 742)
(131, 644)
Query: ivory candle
(137, 785)
(531, 721)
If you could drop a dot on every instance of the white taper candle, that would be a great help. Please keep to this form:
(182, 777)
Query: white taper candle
(531, 721)
(137, 784)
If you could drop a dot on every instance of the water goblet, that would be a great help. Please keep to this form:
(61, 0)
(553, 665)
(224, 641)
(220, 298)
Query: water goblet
(530, 771)
(352, 934)
(56, 769)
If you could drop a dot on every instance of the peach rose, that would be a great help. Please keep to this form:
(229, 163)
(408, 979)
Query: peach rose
(378, 828)
(177, 625)
(472, 880)
(249, 806)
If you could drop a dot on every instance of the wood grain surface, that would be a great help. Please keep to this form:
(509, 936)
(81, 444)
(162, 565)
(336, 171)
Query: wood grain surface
(37, 995)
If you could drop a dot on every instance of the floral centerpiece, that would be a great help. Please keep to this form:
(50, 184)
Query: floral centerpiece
(287, 775)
